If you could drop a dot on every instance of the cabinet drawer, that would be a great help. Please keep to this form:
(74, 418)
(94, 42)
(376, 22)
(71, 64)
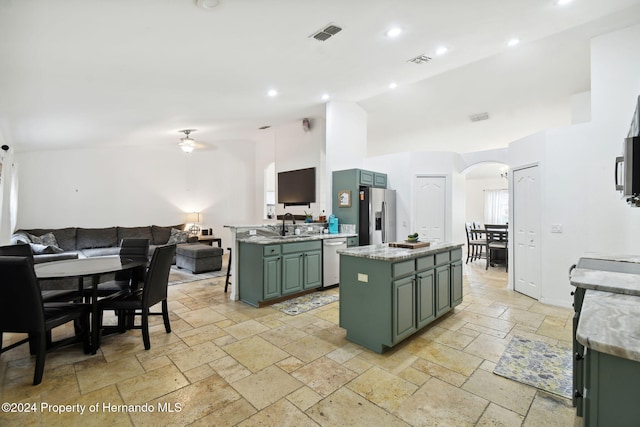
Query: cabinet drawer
(442, 258)
(270, 250)
(425, 263)
(289, 248)
(456, 254)
(403, 268)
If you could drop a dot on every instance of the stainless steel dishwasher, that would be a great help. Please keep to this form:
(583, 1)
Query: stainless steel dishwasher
(331, 260)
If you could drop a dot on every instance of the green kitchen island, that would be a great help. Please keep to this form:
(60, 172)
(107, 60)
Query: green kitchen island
(387, 293)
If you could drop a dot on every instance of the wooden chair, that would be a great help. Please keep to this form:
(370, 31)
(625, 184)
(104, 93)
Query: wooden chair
(497, 241)
(475, 245)
(138, 303)
(23, 311)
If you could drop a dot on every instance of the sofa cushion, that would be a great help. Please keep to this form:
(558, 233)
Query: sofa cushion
(93, 252)
(87, 238)
(37, 248)
(135, 233)
(178, 236)
(66, 237)
(161, 234)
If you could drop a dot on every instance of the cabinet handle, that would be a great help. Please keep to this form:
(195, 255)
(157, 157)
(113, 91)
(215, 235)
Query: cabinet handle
(577, 394)
(578, 357)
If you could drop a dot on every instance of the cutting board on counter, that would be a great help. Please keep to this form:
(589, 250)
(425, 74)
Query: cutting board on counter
(409, 245)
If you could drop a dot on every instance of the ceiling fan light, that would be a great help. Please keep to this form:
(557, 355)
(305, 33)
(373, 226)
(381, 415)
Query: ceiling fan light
(187, 148)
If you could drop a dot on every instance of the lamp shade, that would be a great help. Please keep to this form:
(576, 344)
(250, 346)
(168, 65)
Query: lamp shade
(193, 218)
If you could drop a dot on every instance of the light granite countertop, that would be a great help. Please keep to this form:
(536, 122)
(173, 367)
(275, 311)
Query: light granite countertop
(270, 240)
(610, 323)
(385, 253)
(609, 281)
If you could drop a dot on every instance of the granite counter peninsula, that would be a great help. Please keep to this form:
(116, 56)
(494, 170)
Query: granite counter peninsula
(387, 293)
(605, 339)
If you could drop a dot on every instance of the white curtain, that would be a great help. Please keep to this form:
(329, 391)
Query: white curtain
(496, 206)
(8, 196)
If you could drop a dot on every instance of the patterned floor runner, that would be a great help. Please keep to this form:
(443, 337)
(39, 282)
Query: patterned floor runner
(541, 365)
(305, 303)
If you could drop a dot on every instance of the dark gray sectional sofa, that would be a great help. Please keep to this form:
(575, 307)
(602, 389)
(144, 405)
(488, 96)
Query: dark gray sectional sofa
(76, 242)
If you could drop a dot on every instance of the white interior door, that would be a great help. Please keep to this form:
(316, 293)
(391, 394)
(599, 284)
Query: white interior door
(430, 207)
(526, 230)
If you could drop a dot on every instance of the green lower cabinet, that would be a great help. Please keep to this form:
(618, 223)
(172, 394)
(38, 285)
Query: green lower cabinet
(426, 297)
(272, 274)
(443, 290)
(292, 277)
(456, 283)
(611, 384)
(312, 270)
(404, 305)
(384, 302)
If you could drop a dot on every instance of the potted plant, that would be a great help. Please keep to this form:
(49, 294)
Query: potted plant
(308, 217)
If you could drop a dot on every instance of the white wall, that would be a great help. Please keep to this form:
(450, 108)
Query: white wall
(474, 196)
(102, 187)
(297, 149)
(346, 141)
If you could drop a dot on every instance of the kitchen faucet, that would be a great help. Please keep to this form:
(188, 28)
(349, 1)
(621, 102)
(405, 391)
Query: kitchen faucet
(293, 218)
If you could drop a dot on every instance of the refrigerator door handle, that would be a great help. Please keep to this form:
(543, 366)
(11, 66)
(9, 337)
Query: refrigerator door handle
(384, 222)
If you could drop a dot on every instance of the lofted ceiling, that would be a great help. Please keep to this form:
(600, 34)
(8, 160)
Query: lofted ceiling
(81, 73)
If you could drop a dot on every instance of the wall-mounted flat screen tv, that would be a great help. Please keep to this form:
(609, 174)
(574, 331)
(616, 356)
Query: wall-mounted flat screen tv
(297, 187)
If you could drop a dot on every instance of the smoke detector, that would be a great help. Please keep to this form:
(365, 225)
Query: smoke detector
(326, 33)
(421, 59)
(207, 4)
(479, 117)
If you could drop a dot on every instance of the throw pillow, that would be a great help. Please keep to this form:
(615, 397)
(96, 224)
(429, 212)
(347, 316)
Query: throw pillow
(178, 236)
(47, 240)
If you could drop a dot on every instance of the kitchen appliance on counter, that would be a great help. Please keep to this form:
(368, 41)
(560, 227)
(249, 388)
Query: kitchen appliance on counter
(627, 167)
(377, 216)
(331, 260)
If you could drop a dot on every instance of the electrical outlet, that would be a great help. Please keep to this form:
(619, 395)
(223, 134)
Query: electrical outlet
(309, 228)
(363, 277)
(252, 232)
(556, 228)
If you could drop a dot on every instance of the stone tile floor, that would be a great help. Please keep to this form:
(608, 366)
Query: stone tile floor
(226, 363)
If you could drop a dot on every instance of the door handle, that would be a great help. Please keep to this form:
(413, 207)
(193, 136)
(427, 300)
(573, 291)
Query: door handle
(384, 222)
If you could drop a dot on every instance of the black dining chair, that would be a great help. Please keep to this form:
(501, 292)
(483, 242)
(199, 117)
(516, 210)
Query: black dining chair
(497, 243)
(138, 303)
(475, 245)
(24, 250)
(22, 310)
(124, 280)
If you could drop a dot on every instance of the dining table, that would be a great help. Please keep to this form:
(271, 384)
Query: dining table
(94, 268)
(495, 235)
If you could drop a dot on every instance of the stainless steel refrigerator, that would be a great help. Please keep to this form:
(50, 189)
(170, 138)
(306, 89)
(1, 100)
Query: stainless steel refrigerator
(377, 216)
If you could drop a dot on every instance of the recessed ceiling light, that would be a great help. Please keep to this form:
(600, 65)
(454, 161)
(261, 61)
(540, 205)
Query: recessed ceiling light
(394, 32)
(325, 96)
(441, 50)
(513, 42)
(272, 92)
(393, 85)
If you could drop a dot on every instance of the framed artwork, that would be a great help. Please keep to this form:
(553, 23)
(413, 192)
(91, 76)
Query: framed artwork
(344, 199)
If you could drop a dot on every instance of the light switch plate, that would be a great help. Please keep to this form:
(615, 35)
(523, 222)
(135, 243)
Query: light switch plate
(556, 228)
(252, 232)
(363, 277)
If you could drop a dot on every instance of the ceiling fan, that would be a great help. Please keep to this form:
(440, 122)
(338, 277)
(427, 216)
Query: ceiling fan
(188, 144)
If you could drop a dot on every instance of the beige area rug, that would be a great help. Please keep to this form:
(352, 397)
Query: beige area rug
(305, 303)
(178, 276)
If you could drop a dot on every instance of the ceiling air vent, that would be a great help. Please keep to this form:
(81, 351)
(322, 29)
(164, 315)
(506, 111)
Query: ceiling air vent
(479, 117)
(329, 31)
(420, 59)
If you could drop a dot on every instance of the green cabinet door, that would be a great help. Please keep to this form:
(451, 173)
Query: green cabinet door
(404, 304)
(425, 284)
(380, 180)
(292, 277)
(366, 178)
(312, 269)
(456, 283)
(272, 271)
(443, 290)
